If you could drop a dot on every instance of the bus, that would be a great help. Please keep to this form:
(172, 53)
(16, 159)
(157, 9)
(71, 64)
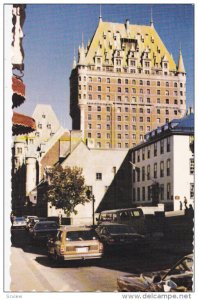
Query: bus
(130, 216)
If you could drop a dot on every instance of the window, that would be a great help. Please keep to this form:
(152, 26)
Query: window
(168, 167)
(89, 134)
(161, 146)
(148, 172)
(168, 191)
(158, 83)
(126, 109)
(43, 116)
(108, 118)
(118, 118)
(119, 81)
(138, 175)
(19, 150)
(90, 79)
(98, 176)
(148, 100)
(99, 88)
(138, 194)
(134, 198)
(49, 126)
(98, 108)
(98, 135)
(167, 101)
(108, 80)
(143, 153)
(143, 193)
(148, 83)
(40, 125)
(167, 93)
(143, 173)
(161, 169)
(133, 90)
(99, 79)
(108, 127)
(119, 136)
(119, 89)
(141, 82)
(98, 145)
(155, 149)
(162, 191)
(126, 90)
(148, 152)
(89, 126)
(167, 84)
(158, 92)
(168, 144)
(149, 193)
(98, 126)
(192, 166)
(108, 108)
(126, 81)
(108, 98)
(99, 117)
(158, 111)
(108, 89)
(133, 81)
(155, 171)
(119, 98)
(141, 91)
(191, 190)
(175, 84)
(148, 91)
(90, 88)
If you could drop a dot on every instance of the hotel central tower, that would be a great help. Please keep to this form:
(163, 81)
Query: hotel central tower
(124, 84)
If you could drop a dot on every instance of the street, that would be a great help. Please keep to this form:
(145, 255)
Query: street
(31, 269)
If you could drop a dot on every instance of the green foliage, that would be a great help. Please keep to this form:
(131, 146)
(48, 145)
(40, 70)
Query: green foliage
(66, 188)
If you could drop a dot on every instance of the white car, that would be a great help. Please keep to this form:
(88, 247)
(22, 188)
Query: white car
(19, 222)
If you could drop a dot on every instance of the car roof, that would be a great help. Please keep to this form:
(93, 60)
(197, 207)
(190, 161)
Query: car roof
(114, 224)
(46, 222)
(120, 210)
(74, 228)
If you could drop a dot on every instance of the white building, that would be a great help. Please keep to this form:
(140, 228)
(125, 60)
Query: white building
(163, 166)
(100, 167)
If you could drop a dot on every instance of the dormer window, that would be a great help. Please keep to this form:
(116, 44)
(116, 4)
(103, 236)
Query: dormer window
(43, 116)
(40, 125)
(49, 126)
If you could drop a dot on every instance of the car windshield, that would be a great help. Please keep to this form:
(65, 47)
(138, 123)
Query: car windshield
(19, 219)
(46, 226)
(185, 265)
(81, 235)
(121, 229)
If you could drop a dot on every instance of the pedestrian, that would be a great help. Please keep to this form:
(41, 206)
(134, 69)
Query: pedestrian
(180, 205)
(12, 217)
(185, 202)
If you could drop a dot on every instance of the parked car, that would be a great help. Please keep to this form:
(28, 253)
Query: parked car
(176, 279)
(19, 222)
(43, 230)
(114, 236)
(75, 243)
(33, 221)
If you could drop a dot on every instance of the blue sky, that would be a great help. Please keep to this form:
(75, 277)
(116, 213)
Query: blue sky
(53, 32)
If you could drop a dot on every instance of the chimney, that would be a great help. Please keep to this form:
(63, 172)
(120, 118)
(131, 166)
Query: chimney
(127, 24)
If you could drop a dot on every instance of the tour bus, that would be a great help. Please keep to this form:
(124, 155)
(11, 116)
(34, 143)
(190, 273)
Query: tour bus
(131, 216)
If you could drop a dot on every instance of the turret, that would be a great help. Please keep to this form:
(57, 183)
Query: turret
(180, 66)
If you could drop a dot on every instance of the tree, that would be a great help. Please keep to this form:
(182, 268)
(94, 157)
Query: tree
(66, 188)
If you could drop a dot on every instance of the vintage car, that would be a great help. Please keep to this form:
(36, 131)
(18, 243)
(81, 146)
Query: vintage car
(115, 236)
(75, 243)
(176, 279)
(19, 222)
(43, 230)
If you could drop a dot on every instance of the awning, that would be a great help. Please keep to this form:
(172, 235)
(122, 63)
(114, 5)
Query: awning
(22, 124)
(18, 89)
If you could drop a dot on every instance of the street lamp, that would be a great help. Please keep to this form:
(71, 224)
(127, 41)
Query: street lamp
(91, 196)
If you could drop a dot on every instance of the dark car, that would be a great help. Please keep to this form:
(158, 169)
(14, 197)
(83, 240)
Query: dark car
(43, 230)
(33, 221)
(176, 279)
(115, 236)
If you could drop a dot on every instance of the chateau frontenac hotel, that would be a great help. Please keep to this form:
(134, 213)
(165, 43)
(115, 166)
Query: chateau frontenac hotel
(125, 84)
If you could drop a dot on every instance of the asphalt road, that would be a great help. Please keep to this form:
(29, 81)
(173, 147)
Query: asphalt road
(32, 271)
